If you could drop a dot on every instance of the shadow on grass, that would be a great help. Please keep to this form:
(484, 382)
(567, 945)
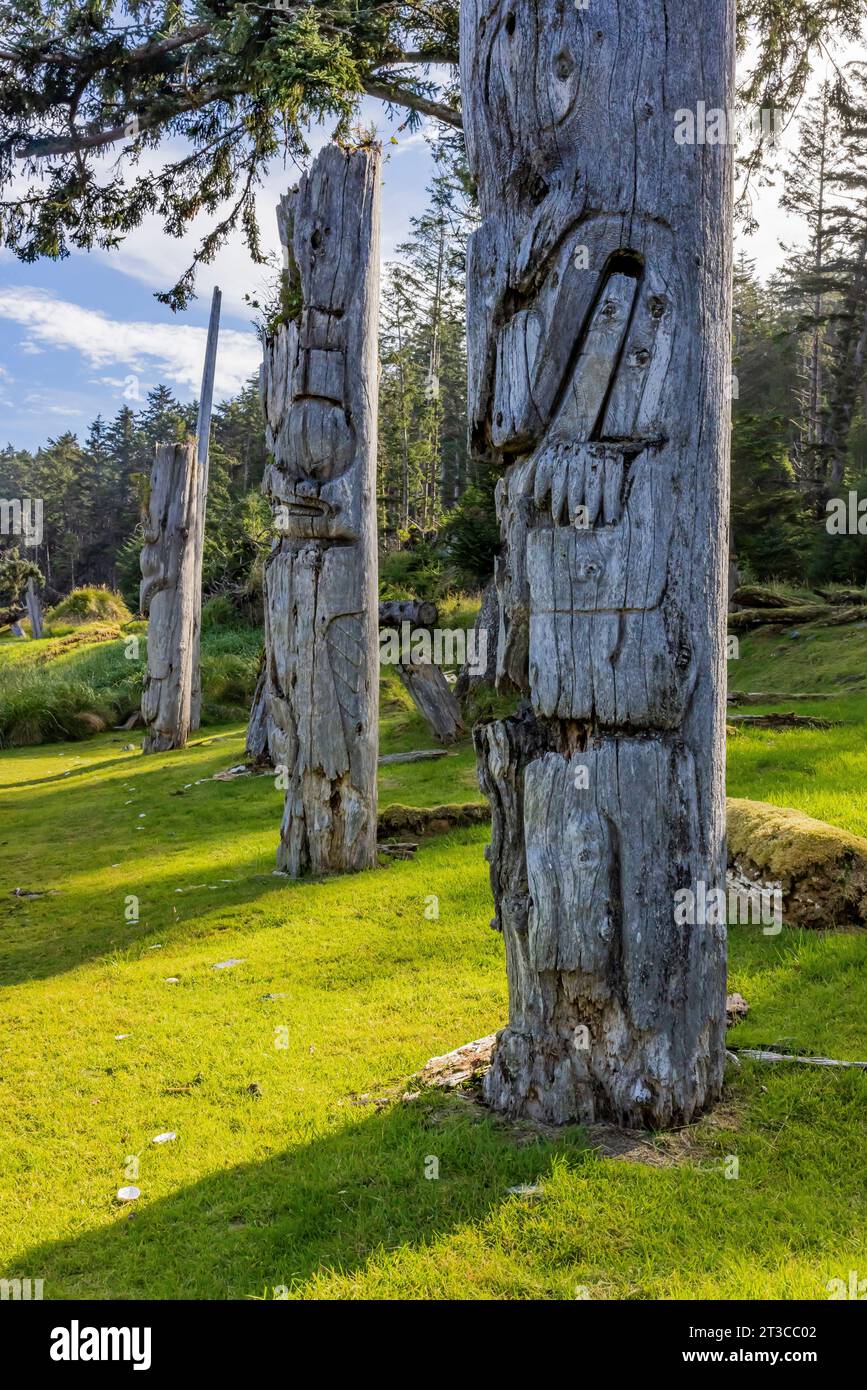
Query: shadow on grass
(46, 937)
(328, 1205)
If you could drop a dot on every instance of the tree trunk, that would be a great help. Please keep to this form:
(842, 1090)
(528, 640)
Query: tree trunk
(320, 389)
(599, 295)
(170, 579)
(434, 699)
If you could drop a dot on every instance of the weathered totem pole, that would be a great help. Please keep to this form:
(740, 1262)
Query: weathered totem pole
(320, 380)
(34, 608)
(171, 579)
(598, 314)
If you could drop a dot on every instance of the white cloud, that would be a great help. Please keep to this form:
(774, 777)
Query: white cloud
(153, 259)
(173, 353)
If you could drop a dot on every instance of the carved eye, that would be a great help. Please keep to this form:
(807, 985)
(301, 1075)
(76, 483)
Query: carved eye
(591, 569)
(609, 309)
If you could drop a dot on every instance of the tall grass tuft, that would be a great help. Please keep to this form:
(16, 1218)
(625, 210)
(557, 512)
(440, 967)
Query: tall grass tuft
(78, 691)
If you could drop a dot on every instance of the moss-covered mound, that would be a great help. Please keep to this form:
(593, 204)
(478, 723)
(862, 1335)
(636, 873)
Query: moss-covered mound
(92, 605)
(821, 869)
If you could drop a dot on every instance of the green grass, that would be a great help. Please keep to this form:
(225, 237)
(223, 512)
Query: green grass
(822, 772)
(296, 1183)
(48, 688)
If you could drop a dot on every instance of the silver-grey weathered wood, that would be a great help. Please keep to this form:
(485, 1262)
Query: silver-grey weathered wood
(171, 580)
(485, 632)
(598, 323)
(203, 440)
(434, 699)
(418, 612)
(320, 380)
(260, 729)
(34, 608)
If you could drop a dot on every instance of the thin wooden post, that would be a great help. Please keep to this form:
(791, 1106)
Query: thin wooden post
(203, 439)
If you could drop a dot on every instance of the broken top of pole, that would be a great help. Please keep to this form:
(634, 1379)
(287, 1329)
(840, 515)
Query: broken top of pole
(203, 435)
(206, 399)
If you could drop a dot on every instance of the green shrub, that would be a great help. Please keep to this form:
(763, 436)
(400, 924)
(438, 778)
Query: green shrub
(471, 536)
(416, 572)
(218, 612)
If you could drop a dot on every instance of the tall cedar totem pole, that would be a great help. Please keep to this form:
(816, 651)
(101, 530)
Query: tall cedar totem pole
(170, 590)
(320, 394)
(598, 319)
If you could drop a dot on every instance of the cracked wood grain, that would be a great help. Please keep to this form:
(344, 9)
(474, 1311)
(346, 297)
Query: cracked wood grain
(319, 385)
(598, 319)
(171, 582)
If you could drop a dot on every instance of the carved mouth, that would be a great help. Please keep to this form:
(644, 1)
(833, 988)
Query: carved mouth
(299, 504)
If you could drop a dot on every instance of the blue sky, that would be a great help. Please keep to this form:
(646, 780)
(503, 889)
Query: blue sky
(85, 335)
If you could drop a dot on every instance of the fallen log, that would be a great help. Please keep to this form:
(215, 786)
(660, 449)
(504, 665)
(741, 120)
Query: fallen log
(783, 721)
(821, 869)
(757, 596)
(838, 597)
(394, 611)
(747, 618)
(760, 1056)
(839, 617)
(768, 697)
(402, 850)
(466, 1063)
(431, 820)
(419, 755)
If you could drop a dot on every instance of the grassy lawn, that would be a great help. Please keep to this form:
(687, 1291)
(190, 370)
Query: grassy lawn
(296, 1163)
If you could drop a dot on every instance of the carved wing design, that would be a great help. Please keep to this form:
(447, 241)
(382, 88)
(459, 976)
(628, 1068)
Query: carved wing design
(344, 640)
